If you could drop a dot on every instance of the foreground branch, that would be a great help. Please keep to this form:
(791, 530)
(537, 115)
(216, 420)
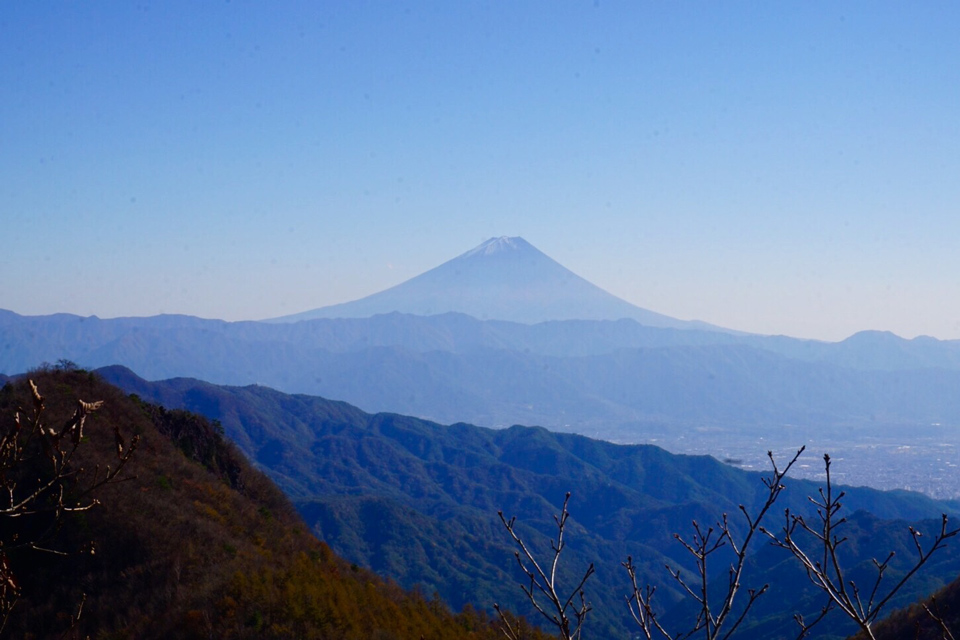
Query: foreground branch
(39, 480)
(566, 613)
(711, 622)
(823, 566)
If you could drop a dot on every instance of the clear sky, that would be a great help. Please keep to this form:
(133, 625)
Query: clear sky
(771, 167)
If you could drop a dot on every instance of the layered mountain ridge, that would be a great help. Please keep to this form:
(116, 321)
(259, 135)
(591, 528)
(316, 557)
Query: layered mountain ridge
(417, 501)
(619, 379)
(580, 375)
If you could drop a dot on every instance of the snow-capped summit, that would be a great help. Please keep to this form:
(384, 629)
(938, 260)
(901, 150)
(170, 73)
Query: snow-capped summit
(497, 245)
(501, 279)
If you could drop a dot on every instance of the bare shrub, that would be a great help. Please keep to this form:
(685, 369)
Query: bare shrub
(40, 484)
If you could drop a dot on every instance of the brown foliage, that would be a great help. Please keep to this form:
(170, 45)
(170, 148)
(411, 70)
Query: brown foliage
(42, 481)
(198, 545)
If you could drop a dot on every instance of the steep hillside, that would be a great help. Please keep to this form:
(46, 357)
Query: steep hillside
(924, 620)
(194, 543)
(442, 486)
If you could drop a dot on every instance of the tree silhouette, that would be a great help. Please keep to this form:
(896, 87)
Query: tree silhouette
(40, 484)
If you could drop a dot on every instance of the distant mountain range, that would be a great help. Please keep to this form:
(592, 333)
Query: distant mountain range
(590, 362)
(502, 279)
(611, 377)
(417, 501)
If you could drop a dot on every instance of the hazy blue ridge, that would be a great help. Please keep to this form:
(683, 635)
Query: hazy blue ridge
(572, 375)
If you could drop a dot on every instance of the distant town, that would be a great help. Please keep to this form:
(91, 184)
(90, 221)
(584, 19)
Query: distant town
(915, 459)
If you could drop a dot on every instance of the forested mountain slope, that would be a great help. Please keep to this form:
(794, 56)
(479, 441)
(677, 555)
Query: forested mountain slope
(924, 620)
(418, 500)
(194, 543)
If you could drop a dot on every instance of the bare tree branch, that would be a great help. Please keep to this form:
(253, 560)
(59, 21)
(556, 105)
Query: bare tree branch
(827, 573)
(564, 612)
(933, 610)
(715, 624)
(34, 480)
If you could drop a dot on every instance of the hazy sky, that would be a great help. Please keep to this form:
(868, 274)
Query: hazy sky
(771, 167)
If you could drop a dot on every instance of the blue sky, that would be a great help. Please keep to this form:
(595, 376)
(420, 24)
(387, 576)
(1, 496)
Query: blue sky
(771, 167)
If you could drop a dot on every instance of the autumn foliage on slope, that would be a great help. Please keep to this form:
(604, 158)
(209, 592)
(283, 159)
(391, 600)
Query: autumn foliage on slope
(195, 544)
(935, 618)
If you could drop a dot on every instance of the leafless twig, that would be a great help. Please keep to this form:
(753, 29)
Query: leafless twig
(38, 477)
(823, 567)
(712, 623)
(566, 613)
(933, 611)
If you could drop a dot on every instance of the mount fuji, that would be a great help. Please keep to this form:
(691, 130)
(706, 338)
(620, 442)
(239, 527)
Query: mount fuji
(501, 279)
